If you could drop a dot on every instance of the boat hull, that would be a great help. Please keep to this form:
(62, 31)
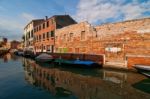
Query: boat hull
(44, 60)
(77, 63)
(143, 69)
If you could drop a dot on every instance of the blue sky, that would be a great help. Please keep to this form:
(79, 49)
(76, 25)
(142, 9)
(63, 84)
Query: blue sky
(15, 14)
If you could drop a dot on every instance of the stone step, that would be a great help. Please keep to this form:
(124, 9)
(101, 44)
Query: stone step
(115, 64)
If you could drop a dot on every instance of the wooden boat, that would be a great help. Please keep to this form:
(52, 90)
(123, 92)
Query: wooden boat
(44, 58)
(143, 69)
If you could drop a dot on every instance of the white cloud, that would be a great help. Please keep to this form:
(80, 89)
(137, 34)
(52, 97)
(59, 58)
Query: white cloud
(27, 16)
(12, 28)
(101, 10)
(135, 10)
(11, 25)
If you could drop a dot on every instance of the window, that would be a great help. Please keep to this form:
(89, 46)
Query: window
(29, 34)
(37, 29)
(47, 35)
(43, 36)
(34, 29)
(83, 35)
(40, 27)
(71, 37)
(39, 37)
(43, 25)
(47, 23)
(52, 48)
(32, 33)
(52, 33)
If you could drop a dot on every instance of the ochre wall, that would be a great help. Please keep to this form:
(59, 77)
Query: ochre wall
(138, 60)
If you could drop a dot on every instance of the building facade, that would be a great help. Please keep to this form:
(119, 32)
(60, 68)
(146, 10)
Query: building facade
(45, 32)
(14, 44)
(29, 34)
(74, 38)
(4, 43)
(118, 42)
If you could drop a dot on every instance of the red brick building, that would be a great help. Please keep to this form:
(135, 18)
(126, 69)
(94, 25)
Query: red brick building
(44, 33)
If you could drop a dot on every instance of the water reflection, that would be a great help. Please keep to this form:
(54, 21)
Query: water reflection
(5, 58)
(83, 83)
(143, 85)
(115, 77)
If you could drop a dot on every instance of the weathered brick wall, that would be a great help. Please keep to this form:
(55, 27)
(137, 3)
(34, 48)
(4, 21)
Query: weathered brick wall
(63, 43)
(96, 42)
(133, 39)
(107, 30)
(136, 44)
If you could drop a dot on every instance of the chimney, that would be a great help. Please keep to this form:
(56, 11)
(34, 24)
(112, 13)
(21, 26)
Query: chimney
(46, 17)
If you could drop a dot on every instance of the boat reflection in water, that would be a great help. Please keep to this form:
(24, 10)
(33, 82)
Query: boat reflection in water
(83, 83)
(143, 85)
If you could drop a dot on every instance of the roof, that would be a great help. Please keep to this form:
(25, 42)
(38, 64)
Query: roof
(33, 21)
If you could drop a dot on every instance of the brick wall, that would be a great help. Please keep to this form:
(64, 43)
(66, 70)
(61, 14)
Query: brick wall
(75, 44)
(130, 37)
(107, 30)
(143, 60)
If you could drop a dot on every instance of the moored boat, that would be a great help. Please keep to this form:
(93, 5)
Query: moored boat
(146, 74)
(63, 61)
(143, 69)
(44, 58)
(78, 63)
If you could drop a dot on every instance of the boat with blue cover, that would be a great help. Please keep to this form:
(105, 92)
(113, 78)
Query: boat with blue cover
(85, 63)
(81, 63)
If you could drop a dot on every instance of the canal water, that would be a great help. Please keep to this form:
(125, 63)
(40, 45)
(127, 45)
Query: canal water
(22, 78)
